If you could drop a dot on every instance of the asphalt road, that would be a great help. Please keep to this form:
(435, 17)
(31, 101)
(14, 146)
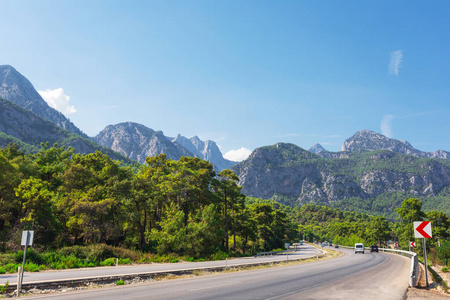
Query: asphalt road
(352, 276)
(73, 274)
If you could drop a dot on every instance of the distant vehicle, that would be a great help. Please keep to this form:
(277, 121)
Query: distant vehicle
(301, 243)
(374, 248)
(331, 244)
(336, 246)
(359, 247)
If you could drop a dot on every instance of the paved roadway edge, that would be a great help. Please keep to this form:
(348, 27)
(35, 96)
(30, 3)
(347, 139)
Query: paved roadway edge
(84, 281)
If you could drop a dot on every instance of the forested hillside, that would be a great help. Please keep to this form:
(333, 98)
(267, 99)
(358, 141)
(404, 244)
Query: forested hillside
(373, 182)
(28, 131)
(166, 207)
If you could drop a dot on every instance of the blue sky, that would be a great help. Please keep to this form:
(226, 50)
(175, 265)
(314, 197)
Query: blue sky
(242, 73)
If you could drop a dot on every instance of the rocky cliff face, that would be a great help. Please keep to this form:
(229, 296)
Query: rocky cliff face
(366, 140)
(16, 88)
(290, 171)
(138, 142)
(31, 129)
(206, 150)
(317, 148)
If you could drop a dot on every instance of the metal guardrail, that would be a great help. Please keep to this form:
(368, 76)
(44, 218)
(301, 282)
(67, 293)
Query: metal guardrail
(414, 271)
(274, 252)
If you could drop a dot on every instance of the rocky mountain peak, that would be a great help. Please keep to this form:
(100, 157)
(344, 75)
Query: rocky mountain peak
(366, 140)
(207, 150)
(317, 148)
(19, 90)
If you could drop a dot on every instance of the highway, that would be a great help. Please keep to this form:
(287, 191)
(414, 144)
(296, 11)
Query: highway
(74, 274)
(352, 276)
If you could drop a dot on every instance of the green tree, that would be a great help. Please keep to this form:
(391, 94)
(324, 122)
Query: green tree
(227, 191)
(10, 205)
(377, 231)
(37, 209)
(92, 195)
(440, 224)
(409, 212)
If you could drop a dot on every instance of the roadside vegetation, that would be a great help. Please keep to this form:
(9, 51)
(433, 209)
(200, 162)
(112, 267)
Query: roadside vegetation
(88, 210)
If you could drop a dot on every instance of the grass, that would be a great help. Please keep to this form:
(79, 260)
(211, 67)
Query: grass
(84, 257)
(438, 279)
(195, 273)
(120, 282)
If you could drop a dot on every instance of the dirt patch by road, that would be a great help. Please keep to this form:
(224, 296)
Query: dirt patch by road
(420, 292)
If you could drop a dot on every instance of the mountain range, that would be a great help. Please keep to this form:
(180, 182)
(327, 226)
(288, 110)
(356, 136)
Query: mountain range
(28, 120)
(138, 142)
(360, 178)
(372, 173)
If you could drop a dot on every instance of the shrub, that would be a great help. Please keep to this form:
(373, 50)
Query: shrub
(444, 269)
(4, 287)
(125, 261)
(109, 262)
(219, 256)
(2, 271)
(32, 267)
(12, 268)
(120, 282)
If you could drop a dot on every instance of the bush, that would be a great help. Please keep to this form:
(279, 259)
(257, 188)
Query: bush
(4, 287)
(109, 262)
(444, 269)
(12, 268)
(219, 256)
(2, 271)
(125, 261)
(32, 267)
(120, 282)
(444, 252)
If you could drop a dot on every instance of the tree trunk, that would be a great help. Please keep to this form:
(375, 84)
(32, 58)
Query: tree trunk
(234, 226)
(244, 245)
(226, 223)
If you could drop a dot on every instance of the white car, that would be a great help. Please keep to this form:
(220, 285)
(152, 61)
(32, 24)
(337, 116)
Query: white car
(359, 247)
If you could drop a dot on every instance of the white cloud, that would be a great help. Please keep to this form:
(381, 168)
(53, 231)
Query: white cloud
(238, 155)
(386, 127)
(395, 63)
(58, 100)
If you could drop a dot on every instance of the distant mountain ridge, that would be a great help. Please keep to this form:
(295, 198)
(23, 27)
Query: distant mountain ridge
(286, 171)
(18, 89)
(366, 140)
(139, 142)
(17, 123)
(132, 140)
(317, 148)
(206, 150)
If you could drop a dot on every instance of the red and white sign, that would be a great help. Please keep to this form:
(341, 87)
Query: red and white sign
(422, 229)
(412, 244)
(396, 245)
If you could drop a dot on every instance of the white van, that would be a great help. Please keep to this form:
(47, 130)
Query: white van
(359, 247)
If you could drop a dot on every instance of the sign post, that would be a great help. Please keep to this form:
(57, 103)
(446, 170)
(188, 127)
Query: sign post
(412, 245)
(27, 240)
(422, 229)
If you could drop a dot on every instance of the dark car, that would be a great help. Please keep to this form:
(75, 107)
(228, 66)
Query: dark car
(374, 248)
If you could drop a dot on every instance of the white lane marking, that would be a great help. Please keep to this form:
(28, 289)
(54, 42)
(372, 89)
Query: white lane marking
(212, 287)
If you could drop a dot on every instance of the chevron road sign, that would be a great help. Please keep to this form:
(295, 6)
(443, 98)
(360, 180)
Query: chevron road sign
(412, 244)
(422, 229)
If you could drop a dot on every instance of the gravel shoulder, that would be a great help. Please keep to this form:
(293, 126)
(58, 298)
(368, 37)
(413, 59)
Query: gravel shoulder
(419, 292)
